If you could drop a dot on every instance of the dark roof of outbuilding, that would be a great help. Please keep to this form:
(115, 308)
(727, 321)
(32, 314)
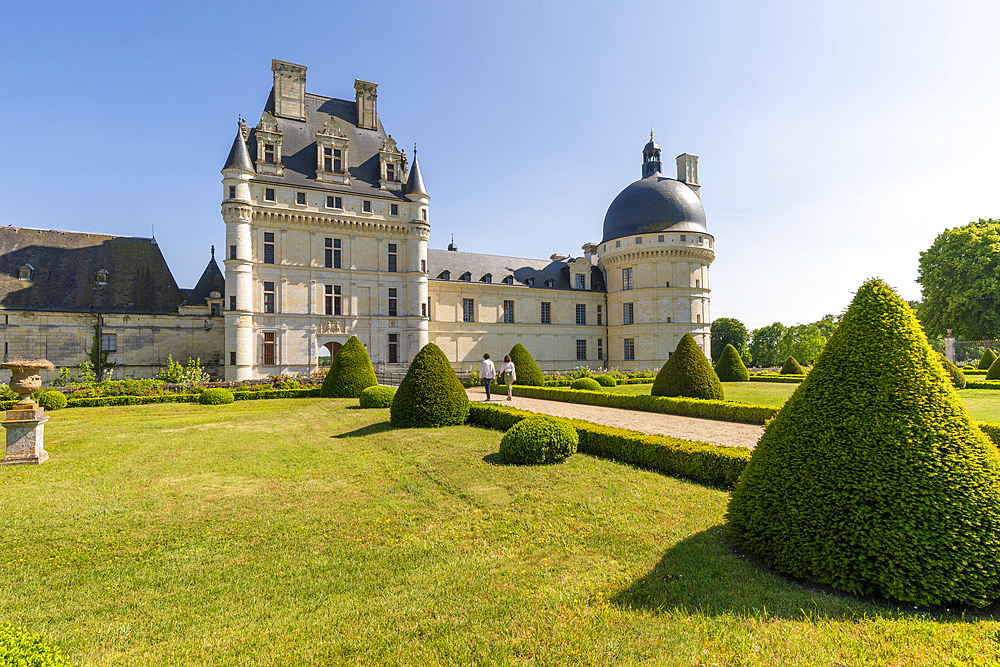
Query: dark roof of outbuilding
(239, 157)
(298, 148)
(654, 204)
(499, 267)
(65, 266)
(211, 280)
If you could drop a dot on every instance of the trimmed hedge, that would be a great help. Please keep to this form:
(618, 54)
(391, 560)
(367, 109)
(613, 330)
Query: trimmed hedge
(22, 648)
(528, 372)
(430, 393)
(728, 411)
(606, 380)
(772, 377)
(539, 439)
(377, 397)
(873, 478)
(992, 431)
(717, 465)
(989, 356)
(588, 384)
(350, 371)
(51, 400)
(565, 382)
(982, 384)
(731, 367)
(957, 377)
(216, 396)
(792, 367)
(687, 373)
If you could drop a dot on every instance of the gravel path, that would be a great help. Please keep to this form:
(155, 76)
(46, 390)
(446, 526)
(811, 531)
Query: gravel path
(689, 428)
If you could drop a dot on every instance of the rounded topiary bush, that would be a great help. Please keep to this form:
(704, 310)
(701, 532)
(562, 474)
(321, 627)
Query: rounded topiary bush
(873, 478)
(216, 396)
(606, 380)
(687, 373)
(528, 372)
(350, 371)
(376, 397)
(989, 356)
(730, 367)
(589, 384)
(792, 367)
(954, 372)
(430, 393)
(52, 400)
(539, 440)
(21, 647)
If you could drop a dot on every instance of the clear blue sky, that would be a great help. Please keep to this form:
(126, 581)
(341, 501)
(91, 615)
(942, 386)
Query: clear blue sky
(837, 139)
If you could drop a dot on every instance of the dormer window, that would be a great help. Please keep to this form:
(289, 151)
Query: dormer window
(487, 278)
(269, 146)
(25, 272)
(331, 154)
(445, 275)
(268, 153)
(392, 165)
(102, 277)
(467, 277)
(550, 283)
(390, 171)
(530, 282)
(509, 280)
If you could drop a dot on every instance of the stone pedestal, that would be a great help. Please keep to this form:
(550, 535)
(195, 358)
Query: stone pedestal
(25, 427)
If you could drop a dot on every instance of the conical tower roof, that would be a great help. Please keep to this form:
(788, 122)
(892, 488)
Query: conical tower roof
(211, 280)
(415, 183)
(239, 157)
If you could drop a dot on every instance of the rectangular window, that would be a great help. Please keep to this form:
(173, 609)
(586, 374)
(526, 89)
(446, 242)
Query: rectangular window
(393, 348)
(232, 192)
(669, 321)
(216, 309)
(366, 206)
(627, 278)
(300, 198)
(268, 194)
(423, 213)
(423, 310)
(338, 161)
(581, 350)
(423, 266)
(638, 240)
(581, 313)
(232, 252)
(268, 297)
(336, 253)
(428, 308)
(390, 172)
(683, 238)
(468, 310)
(330, 200)
(600, 314)
(581, 281)
(232, 302)
(327, 160)
(338, 202)
(336, 300)
(546, 312)
(328, 299)
(508, 312)
(627, 313)
(232, 358)
(269, 349)
(392, 302)
(392, 258)
(393, 209)
(600, 349)
(269, 153)
(660, 238)
(109, 342)
(269, 247)
(629, 349)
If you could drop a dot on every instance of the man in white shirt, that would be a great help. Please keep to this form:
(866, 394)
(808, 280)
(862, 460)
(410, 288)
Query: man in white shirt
(487, 371)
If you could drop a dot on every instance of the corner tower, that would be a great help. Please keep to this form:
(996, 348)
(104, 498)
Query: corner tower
(655, 253)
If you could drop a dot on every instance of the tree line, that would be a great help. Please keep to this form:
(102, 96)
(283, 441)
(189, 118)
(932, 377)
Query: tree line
(771, 345)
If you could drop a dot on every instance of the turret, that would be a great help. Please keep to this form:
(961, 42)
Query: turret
(651, 158)
(417, 193)
(237, 214)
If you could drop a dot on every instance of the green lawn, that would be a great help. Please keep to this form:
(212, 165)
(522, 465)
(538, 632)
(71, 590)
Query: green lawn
(984, 404)
(306, 532)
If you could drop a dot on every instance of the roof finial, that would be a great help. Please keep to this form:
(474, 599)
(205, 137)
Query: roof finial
(414, 150)
(213, 251)
(651, 132)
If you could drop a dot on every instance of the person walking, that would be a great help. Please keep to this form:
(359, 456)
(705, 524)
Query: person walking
(487, 371)
(508, 372)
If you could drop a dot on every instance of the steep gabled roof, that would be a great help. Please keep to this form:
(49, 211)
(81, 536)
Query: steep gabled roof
(211, 280)
(65, 267)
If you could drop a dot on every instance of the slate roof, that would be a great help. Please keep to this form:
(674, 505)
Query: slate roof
(654, 204)
(478, 265)
(65, 268)
(211, 280)
(298, 148)
(415, 183)
(239, 157)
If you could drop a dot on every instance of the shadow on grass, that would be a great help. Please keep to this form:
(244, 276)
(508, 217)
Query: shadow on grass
(701, 575)
(371, 429)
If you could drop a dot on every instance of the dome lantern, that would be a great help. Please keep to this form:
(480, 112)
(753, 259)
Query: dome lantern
(651, 158)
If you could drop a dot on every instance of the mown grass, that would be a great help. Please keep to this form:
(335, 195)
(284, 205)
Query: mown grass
(306, 532)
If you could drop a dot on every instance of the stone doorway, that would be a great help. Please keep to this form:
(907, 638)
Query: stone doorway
(334, 347)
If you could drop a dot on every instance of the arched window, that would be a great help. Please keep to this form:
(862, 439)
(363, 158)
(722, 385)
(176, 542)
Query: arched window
(467, 277)
(445, 275)
(25, 272)
(487, 278)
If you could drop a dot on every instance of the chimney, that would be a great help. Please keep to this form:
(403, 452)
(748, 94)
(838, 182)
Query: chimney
(687, 171)
(365, 96)
(590, 252)
(289, 90)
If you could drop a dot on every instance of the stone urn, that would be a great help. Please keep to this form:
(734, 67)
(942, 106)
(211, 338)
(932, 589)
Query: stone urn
(25, 379)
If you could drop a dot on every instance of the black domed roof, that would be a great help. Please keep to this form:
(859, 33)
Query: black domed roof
(654, 204)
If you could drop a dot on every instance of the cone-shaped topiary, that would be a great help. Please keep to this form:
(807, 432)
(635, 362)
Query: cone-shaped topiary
(792, 367)
(873, 478)
(528, 372)
(687, 373)
(350, 371)
(954, 372)
(989, 356)
(994, 372)
(430, 393)
(730, 367)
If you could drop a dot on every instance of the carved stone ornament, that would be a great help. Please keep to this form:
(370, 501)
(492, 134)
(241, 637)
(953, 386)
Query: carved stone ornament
(267, 123)
(331, 129)
(332, 327)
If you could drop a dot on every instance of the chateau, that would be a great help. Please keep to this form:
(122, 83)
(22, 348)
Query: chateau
(327, 227)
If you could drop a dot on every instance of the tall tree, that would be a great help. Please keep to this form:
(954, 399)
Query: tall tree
(764, 346)
(729, 331)
(960, 282)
